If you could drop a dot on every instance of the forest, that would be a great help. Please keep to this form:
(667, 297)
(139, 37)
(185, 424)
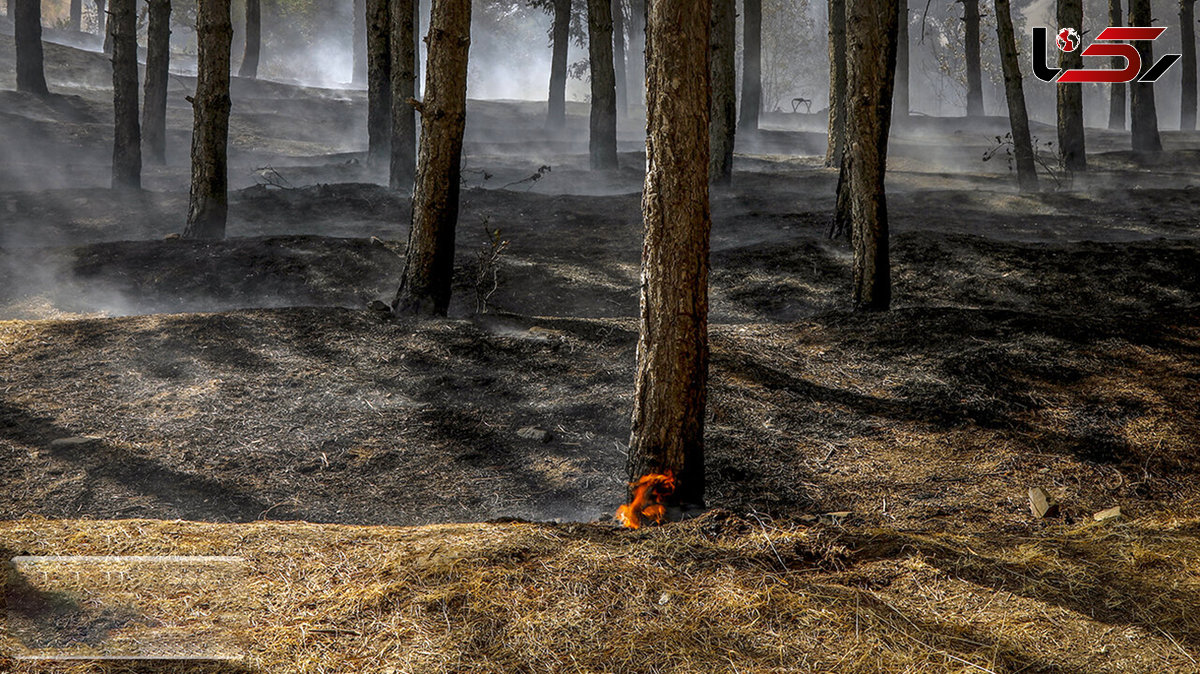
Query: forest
(628, 336)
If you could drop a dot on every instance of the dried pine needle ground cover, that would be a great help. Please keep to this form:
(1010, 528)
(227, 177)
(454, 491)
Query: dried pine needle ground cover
(719, 593)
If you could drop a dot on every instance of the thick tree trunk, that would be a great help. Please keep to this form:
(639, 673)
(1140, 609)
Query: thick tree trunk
(404, 120)
(76, 16)
(637, 52)
(1116, 95)
(127, 136)
(871, 27)
(253, 39)
(602, 140)
(379, 81)
(208, 203)
(556, 114)
(751, 66)
(1187, 35)
(1018, 116)
(724, 86)
(27, 27)
(429, 261)
(900, 101)
(1070, 96)
(618, 31)
(1143, 115)
(974, 70)
(158, 72)
(359, 73)
(672, 354)
(837, 83)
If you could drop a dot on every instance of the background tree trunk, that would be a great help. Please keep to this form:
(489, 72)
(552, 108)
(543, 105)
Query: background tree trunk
(837, 82)
(1143, 122)
(208, 202)
(901, 104)
(1014, 91)
(618, 31)
(971, 46)
(751, 66)
(127, 136)
(1116, 92)
(602, 141)
(871, 27)
(724, 86)
(359, 73)
(249, 66)
(556, 115)
(101, 18)
(1187, 36)
(637, 52)
(429, 261)
(76, 16)
(379, 81)
(404, 121)
(1070, 96)
(158, 65)
(672, 355)
(27, 27)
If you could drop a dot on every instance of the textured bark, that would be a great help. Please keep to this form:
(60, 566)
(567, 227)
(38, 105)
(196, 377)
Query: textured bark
(429, 261)
(127, 136)
(724, 87)
(971, 46)
(359, 41)
(837, 82)
(637, 52)
(1070, 96)
(1014, 92)
(1116, 95)
(404, 120)
(416, 22)
(901, 105)
(618, 31)
(75, 20)
(556, 114)
(158, 64)
(249, 66)
(27, 27)
(1187, 36)
(672, 353)
(602, 139)
(1143, 116)
(379, 81)
(751, 65)
(871, 27)
(208, 202)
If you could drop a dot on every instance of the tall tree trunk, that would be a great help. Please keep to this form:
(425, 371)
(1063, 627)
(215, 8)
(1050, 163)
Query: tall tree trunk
(672, 354)
(253, 39)
(27, 27)
(379, 81)
(1070, 96)
(602, 140)
(158, 72)
(127, 135)
(101, 18)
(404, 120)
(637, 52)
(1143, 122)
(618, 31)
(208, 203)
(751, 65)
(724, 86)
(901, 104)
(76, 16)
(1116, 94)
(837, 83)
(1018, 116)
(359, 74)
(556, 114)
(1187, 36)
(108, 37)
(871, 27)
(974, 70)
(429, 261)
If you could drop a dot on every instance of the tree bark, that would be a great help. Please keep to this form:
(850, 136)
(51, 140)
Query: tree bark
(751, 66)
(1116, 95)
(556, 114)
(871, 27)
(76, 16)
(404, 120)
(901, 104)
(359, 74)
(837, 83)
(379, 81)
(974, 70)
(637, 52)
(724, 85)
(602, 140)
(429, 261)
(158, 72)
(249, 66)
(1070, 96)
(1142, 112)
(27, 29)
(1014, 91)
(1187, 36)
(618, 31)
(127, 136)
(208, 202)
(672, 355)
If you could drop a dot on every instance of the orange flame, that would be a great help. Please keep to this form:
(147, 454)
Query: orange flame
(647, 506)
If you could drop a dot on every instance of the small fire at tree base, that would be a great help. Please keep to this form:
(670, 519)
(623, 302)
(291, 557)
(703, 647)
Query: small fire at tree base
(648, 505)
